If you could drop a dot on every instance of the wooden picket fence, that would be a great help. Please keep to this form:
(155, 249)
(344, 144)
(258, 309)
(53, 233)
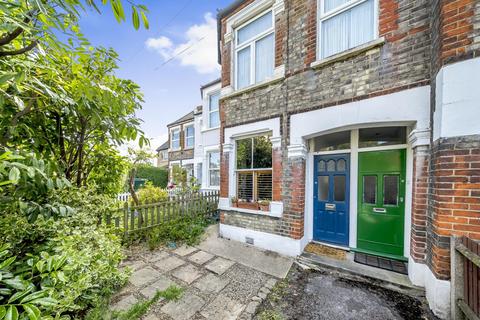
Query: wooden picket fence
(465, 278)
(148, 215)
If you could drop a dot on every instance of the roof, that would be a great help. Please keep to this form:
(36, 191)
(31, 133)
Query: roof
(164, 146)
(186, 118)
(211, 83)
(220, 15)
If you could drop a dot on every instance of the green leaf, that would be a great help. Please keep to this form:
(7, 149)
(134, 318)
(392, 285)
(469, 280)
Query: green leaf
(45, 302)
(20, 294)
(7, 262)
(145, 20)
(12, 313)
(16, 283)
(14, 174)
(34, 296)
(3, 311)
(135, 18)
(32, 311)
(5, 77)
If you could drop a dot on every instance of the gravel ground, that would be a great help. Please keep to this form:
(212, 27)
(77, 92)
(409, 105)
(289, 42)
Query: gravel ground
(307, 294)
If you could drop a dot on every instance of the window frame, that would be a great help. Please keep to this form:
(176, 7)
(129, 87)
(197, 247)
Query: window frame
(209, 169)
(251, 43)
(322, 16)
(209, 126)
(185, 131)
(172, 132)
(253, 171)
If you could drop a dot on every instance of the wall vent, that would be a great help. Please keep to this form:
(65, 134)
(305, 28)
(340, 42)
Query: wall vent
(249, 240)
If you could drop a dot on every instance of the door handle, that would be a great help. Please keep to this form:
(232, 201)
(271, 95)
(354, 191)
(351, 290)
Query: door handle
(380, 210)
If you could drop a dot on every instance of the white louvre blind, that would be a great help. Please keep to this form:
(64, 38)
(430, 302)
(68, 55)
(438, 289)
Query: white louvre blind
(243, 68)
(254, 28)
(264, 58)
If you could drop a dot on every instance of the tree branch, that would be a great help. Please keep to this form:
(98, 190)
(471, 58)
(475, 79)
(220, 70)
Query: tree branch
(32, 45)
(10, 36)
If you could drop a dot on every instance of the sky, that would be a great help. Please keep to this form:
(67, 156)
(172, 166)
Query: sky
(170, 60)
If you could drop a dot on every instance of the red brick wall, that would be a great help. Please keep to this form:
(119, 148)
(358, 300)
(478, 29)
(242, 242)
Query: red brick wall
(454, 205)
(294, 198)
(418, 236)
(311, 30)
(277, 174)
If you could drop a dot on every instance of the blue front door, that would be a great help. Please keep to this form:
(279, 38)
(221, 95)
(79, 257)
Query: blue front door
(331, 198)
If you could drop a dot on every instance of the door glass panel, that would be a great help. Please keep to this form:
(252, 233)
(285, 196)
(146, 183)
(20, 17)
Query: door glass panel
(369, 189)
(339, 188)
(384, 136)
(341, 164)
(321, 166)
(323, 182)
(390, 190)
(333, 141)
(331, 165)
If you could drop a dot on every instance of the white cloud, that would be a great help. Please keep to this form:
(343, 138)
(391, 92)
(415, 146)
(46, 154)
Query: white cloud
(199, 49)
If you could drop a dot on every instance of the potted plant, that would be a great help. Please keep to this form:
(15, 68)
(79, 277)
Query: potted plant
(234, 202)
(248, 205)
(264, 205)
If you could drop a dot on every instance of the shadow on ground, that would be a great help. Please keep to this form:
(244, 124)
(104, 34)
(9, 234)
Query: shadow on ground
(308, 294)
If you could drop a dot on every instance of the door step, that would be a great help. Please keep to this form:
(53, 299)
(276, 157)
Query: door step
(326, 251)
(381, 262)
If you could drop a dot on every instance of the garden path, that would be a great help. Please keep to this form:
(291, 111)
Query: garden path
(218, 282)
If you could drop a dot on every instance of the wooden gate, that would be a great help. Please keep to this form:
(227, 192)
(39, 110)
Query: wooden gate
(465, 277)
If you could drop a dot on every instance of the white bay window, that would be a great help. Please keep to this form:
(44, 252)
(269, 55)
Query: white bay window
(213, 110)
(255, 51)
(345, 24)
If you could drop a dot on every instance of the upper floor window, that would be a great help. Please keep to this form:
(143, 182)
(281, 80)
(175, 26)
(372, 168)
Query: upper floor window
(189, 136)
(345, 24)
(175, 140)
(213, 112)
(254, 51)
(163, 155)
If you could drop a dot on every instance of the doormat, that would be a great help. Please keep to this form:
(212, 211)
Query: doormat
(326, 251)
(381, 262)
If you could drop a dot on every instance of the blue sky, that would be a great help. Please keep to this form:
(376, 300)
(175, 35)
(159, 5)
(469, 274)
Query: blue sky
(173, 89)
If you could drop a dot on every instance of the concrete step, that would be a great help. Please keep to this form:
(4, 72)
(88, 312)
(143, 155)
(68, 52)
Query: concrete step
(355, 271)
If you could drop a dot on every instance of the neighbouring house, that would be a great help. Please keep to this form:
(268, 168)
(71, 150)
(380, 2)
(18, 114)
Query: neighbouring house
(355, 123)
(207, 137)
(162, 155)
(181, 144)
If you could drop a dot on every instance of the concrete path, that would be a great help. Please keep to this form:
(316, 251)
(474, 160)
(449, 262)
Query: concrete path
(221, 279)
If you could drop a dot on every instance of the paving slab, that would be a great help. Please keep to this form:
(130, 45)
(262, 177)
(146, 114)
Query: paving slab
(184, 308)
(188, 273)
(133, 264)
(143, 276)
(184, 250)
(160, 285)
(211, 283)
(219, 265)
(169, 263)
(200, 257)
(222, 308)
(157, 256)
(262, 260)
(125, 303)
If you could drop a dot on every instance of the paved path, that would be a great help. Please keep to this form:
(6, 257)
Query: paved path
(217, 285)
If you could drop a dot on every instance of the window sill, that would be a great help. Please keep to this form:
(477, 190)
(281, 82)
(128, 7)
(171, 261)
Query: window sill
(252, 87)
(276, 210)
(348, 54)
(210, 129)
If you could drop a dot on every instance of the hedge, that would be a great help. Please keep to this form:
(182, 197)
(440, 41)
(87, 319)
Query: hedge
(158, 176)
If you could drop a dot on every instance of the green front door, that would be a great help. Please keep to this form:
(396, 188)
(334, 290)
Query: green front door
(381, 202)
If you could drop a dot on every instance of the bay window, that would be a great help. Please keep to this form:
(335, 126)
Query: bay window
(254, 168)
(175, 140)
(213, 169)
(345, 24)
(213, 111)
(254, 51)
(189, 136)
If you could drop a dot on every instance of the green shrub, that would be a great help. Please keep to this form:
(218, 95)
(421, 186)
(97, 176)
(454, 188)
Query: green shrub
(157, 176)
(150, 193)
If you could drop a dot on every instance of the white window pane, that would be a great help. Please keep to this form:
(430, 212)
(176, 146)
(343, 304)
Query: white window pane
(264, 58)
(335, 34)
(214, 119)
(254, 28)
(361, 24)
(214, 160)
(243, 68)
(214, 102)
(190, 141)
(214, 178)
(332, 4)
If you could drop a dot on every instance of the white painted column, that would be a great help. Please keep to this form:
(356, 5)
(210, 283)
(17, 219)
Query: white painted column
(353, 188)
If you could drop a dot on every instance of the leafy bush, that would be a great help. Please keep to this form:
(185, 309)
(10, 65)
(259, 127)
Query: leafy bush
(150, 193)
(157, 176)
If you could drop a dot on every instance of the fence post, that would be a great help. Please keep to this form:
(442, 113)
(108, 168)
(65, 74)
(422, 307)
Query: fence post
(456, 279)
(125, 217)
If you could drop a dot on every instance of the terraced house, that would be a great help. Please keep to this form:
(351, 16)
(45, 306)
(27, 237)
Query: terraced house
(354, 123)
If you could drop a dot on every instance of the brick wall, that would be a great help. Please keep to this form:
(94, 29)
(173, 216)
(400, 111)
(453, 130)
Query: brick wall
(454, 199)
(418, 236)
